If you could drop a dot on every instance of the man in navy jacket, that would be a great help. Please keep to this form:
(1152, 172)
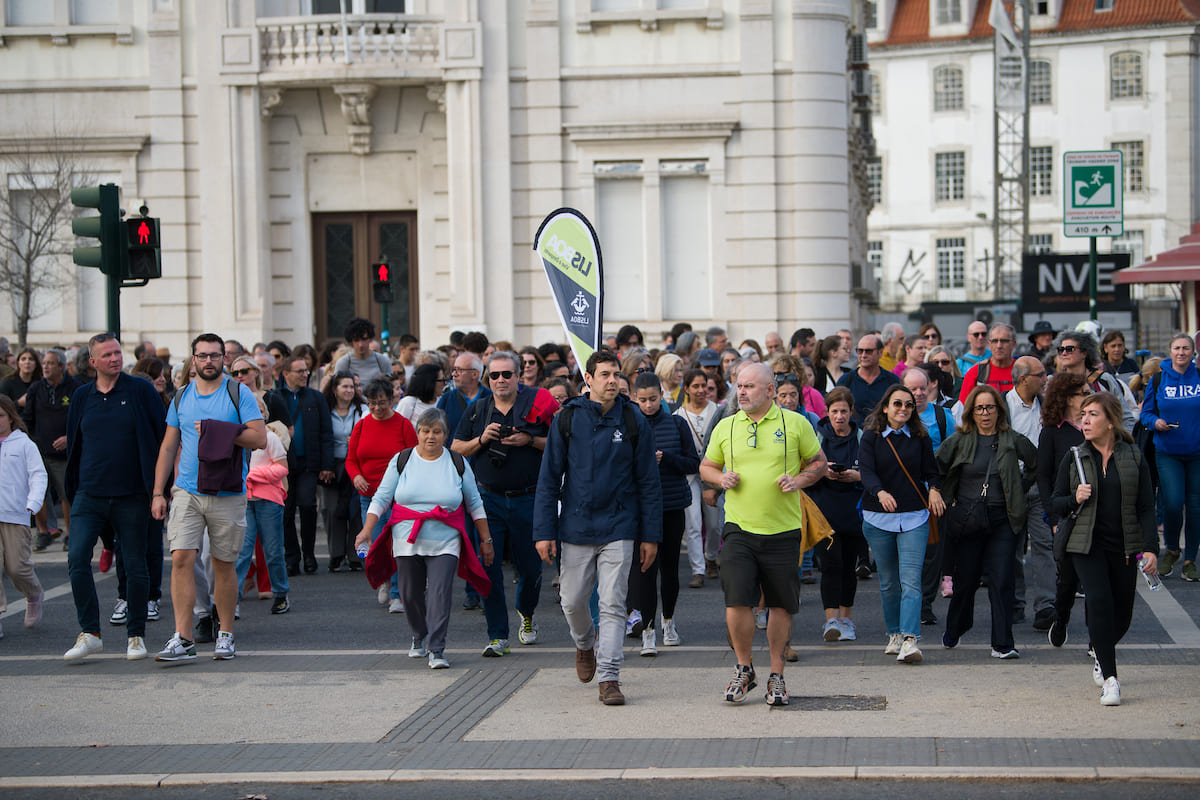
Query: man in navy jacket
(310, 459)
(605, 473)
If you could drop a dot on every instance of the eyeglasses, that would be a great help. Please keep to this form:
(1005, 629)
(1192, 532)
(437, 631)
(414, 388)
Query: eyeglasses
(529, 362)
(207, 356)
(752, 440)
(903, 404)
(1067, 348)
(379, 403)
(862, 351)
(985, 409)
(1041, 374)
(977, 333)
(440, 380)
(505, 374)
(781, 378)
(644, 370)
(301, 371)
(461, 370)
(1001, 341)
(237, 373)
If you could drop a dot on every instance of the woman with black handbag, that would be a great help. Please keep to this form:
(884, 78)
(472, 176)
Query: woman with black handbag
(982, 474)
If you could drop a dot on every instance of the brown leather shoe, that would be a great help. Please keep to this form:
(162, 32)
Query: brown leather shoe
(710, 570)
(789, 654)
(610, 693)
(696, 582)
(585, 665)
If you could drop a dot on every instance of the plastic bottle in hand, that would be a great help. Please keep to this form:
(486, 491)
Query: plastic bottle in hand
(361, 550)
(1153, 581)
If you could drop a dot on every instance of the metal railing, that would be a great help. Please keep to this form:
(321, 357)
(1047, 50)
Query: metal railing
(324, 40)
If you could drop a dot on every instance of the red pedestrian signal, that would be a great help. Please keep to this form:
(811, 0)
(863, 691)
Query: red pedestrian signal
(144, 259)
(381, 282)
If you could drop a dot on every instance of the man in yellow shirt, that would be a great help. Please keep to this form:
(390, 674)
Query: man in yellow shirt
(761, 456)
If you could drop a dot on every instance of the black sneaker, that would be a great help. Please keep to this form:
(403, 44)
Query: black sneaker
(203, 630)
(281, 605)
(863, 570)
(43, 541)
(1058, 633)
(929, 618)
(742, 682)
(1044, 619)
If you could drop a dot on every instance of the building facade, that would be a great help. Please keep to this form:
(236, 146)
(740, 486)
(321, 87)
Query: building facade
(1103, 74)
(286, 145)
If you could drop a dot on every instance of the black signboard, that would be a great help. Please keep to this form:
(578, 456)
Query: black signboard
(1059, 282)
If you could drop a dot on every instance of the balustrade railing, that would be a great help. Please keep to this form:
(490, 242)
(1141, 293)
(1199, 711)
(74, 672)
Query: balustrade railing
(374, 39)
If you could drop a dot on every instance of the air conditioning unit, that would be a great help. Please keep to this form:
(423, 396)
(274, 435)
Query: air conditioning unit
(860, 83)
(858, 50)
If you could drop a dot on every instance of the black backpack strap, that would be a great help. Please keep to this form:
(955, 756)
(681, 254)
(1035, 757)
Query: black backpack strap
(402, 459)
(939, 414)
(564, 427)
(460, 463)
(982, 372)
(631, 425)
(234, 397)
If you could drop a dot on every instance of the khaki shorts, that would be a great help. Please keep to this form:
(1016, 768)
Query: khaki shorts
(225, 518)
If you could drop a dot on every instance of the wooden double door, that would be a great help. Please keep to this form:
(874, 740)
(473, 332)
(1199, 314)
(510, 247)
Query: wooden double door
(344, 247)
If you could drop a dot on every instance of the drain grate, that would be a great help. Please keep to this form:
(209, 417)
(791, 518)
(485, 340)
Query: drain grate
(836, 702)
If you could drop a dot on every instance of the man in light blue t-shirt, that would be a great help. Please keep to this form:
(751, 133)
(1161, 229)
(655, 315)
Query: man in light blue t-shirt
(222, 511)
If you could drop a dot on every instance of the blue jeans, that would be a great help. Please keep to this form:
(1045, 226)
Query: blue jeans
(129, 516)
(511, 518)
(1179, 481)
(264, 520)
(899, 557)
(365, 503)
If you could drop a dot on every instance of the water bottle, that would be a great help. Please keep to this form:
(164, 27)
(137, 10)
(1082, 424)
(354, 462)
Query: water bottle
(361, 550)
(1153, 581)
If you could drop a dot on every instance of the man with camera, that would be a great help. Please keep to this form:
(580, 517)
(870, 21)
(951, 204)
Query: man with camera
(504, 435)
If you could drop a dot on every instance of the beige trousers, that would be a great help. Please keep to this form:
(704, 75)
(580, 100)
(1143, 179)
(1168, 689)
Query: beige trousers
(16, 559)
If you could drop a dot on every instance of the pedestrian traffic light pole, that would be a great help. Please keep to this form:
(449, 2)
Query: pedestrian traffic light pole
(1093, 282)
(129, 253)
(381, 287)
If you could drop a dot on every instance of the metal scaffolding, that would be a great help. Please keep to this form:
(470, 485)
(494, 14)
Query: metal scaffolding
(1010, 188)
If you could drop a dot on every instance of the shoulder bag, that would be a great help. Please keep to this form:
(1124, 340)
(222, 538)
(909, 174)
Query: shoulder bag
(933, 520)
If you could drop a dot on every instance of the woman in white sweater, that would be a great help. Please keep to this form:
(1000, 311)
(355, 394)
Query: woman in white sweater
(22, 488)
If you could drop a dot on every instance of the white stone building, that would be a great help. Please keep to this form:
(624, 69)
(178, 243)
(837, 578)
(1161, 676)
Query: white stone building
(1104, 74)
(285, 147)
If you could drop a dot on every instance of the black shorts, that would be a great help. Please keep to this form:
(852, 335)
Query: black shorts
(751, 562)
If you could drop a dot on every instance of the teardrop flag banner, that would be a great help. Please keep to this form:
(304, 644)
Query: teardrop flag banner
(570, 252)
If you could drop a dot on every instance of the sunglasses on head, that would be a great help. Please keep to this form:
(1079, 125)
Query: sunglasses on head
(781, 378)
(505, 374)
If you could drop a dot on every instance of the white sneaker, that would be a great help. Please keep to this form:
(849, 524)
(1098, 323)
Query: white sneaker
(120, 613)
(136, 649)
(528, 634)
(831, 631)
(648, 643)
(33, 611)
(670, 634)
(225, 649)
(438, 661)
(893, 645)
(85, 645)
(909, 652)
(395, 607)
(417, 649)
(152, 610)
(760, 619)
(1110, 695)
(384, 594)
(848, 632)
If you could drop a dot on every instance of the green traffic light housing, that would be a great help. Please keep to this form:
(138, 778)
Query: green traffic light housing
(109, 256)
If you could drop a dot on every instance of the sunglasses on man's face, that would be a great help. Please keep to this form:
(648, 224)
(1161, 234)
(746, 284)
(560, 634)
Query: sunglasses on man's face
(505, 374)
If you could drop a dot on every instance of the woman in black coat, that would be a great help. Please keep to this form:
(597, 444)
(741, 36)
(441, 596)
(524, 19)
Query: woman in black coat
(675, 450)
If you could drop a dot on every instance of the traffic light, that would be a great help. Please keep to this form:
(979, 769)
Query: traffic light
(144, 258)
(109, 256)
(381, 282)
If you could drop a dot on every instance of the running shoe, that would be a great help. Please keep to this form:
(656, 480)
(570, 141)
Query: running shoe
(120, 613)
(743, 681)
(528, 634)
(495, 649)
(777, 694)
(224, 649)
(177, 649)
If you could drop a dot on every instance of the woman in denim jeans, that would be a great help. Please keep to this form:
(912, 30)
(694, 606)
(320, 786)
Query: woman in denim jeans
(896, 512)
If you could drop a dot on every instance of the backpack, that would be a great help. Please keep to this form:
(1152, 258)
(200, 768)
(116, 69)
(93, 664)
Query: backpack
(403, 456)
(564, 426)
(939, 414)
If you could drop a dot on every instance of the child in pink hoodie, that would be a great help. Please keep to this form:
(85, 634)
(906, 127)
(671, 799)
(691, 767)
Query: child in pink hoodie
(265, 494)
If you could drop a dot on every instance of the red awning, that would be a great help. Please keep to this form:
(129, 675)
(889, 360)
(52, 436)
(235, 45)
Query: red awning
(1176, 265)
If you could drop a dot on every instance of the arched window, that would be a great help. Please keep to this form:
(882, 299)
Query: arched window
(947, 89)
(1126, 78)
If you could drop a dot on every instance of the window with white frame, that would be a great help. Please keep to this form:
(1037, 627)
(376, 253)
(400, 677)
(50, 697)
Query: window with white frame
(94, 12)
(948, 88)
(1132, 242)
(620, 225)
(875, 259)
(1126, 75)
(947, 12)
(951, 263)
(871, 15)
(1041, 243)
(1135, 164)
(876, 94)
(1041, 171)
(1039, 83)
(686, 252)
(29, 12)
(875, 180)
(949, 172)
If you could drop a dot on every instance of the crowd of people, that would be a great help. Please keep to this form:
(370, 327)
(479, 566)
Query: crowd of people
(1043, 476)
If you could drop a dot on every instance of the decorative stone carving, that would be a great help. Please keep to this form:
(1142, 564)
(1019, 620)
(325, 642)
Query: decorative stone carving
(271, 97)
(436, 92)
(356, 109)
